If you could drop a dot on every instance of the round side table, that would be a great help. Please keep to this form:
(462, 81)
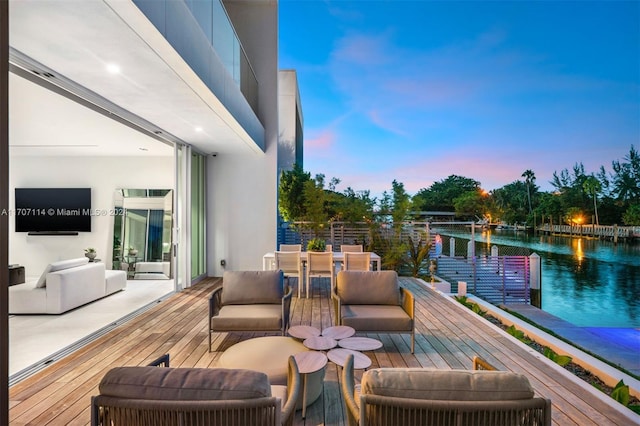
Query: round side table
(338, 332)
(339, 357)
(320, 343)
(308, 363)
(360, 343)
(303, 331)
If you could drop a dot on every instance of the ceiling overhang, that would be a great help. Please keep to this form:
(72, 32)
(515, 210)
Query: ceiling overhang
(78, 44)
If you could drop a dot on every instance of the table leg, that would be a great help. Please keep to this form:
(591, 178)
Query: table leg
(304, 395)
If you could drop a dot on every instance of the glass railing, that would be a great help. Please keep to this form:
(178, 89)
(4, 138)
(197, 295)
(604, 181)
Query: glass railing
(171, 19)
(225, 42)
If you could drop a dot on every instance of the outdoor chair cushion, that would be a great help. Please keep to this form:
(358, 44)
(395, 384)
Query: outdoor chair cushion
(248, 317)
(247, 287)
(368, 288)
(375, 317)
(187, 384)
(447, 385)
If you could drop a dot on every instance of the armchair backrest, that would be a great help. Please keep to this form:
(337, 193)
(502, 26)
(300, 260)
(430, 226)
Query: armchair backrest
(368, 288)
(446, 385)
(252, 287)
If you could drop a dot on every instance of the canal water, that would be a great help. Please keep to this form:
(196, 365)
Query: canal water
(588, 282)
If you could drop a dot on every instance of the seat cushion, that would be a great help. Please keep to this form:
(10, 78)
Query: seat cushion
(248, 317)
(368, 287)
(376, 318)
(247, 287)
(455, 385)
(158, 383)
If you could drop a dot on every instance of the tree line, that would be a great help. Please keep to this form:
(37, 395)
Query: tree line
(601, 197)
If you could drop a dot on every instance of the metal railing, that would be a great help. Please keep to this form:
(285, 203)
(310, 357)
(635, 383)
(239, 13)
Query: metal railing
(496, 279)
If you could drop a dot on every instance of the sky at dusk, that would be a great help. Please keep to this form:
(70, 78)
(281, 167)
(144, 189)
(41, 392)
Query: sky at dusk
(420, 90)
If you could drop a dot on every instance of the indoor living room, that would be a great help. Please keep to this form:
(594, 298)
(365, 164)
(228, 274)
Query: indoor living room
(70, 146)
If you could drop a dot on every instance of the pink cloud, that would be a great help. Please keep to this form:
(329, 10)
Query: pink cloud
(321, 143)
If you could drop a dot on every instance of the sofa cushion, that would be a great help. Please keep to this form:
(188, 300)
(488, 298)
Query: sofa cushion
(368, 288)
(455, 385)
(158, 383)
(248, 317)
(376, 318)
(58, 266)
(247, 287)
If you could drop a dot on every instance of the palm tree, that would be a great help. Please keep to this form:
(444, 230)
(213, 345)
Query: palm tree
(592, 186)
(529, 179)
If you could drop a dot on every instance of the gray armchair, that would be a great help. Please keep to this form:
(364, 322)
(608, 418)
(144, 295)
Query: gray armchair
(423, 396)
(374, 301)
(250, 301)
(152, 396)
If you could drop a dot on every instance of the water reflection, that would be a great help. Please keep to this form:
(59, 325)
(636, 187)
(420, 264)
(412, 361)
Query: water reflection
(587, 282)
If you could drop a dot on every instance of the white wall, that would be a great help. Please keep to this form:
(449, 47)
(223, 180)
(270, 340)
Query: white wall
(241, 220)
(103, 175)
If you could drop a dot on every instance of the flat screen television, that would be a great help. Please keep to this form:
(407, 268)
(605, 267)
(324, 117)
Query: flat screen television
(53, 210)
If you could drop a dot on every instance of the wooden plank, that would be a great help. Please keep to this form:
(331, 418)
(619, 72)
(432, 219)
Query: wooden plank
(447, 336)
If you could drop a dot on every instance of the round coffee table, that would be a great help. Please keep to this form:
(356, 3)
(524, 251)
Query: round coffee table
(360, 343)
(270, 355)
(339, 357)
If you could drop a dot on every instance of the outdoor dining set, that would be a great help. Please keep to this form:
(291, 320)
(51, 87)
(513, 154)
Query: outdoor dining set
(305, 265)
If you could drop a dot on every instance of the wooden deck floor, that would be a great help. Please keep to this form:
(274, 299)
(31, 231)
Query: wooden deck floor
(447, 336)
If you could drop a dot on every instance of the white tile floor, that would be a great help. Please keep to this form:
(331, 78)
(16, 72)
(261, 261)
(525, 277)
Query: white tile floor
(33, 338)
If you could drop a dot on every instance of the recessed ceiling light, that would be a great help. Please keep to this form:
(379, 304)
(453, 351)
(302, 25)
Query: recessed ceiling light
(198, 129)
(113, 68)
(143, 149)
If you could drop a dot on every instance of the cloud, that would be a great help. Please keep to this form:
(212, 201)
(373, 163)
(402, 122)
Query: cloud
(321, 143)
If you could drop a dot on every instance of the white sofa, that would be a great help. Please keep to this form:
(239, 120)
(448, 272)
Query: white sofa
(152, 270)
(65, 285)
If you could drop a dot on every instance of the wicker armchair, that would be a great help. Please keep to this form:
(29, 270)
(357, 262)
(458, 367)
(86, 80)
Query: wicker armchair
(420, 396)
(153, 396)
(373, 301)
(250, 301)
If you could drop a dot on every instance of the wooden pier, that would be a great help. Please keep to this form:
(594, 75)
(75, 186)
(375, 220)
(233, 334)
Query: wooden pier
(614, 233)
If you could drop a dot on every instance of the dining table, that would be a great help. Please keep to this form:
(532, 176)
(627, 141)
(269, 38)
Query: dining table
(268, 260)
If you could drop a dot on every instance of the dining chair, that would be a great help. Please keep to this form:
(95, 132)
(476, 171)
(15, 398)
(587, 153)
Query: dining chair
(320, 265)
(290, 264)
(328, 247)
(354, 261)
(290, 247)
(351, 248)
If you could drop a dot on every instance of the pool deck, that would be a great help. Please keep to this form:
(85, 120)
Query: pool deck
(620, 346)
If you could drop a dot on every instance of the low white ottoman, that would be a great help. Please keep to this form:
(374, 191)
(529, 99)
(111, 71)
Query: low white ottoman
(114, 281)
(270, 355)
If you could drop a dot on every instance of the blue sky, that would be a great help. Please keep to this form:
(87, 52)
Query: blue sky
(420, 90)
